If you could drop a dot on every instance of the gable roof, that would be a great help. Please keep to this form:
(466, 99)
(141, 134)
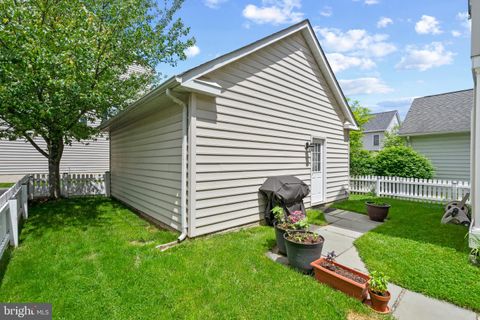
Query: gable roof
(442, 113)
(189, 80)
(380, 121)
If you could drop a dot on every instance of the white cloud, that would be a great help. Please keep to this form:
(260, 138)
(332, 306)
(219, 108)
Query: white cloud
(384, 22)
(274, 12)
(192, 51)
(370, 2)
(429, 56)
(362, 86)
(357, 41)
(400, 104)
(463, 17)
(456, 33)
(428, 25)
(326, 11)
(340, 62)
(214, 4)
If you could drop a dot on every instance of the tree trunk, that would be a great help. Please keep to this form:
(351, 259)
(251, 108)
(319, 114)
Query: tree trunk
(54, 157)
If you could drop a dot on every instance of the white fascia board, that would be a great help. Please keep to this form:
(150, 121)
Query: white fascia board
(138, 103)
(239, 53)
(201, 86)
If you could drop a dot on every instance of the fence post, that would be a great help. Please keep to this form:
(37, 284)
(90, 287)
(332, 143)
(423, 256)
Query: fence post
(24, 197)
(377, 186)
(13, 208)
(107, 184)
(455, 190)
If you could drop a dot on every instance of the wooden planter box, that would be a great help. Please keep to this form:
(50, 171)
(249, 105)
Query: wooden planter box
(339, 282)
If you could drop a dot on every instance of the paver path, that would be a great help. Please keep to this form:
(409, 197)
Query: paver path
(344, 227)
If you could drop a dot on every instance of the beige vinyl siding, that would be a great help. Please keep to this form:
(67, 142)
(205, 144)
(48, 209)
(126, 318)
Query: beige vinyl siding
(273, 102)
(19, 157)
(449, 153)
(146, 164)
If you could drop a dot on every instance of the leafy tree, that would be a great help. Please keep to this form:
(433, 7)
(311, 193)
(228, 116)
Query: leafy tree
(392, 139)
(64, 64)
(362, 115)
(404, 162)
(362, 163)
(361, 160)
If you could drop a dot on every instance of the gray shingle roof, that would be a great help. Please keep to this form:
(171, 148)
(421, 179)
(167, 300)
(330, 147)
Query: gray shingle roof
(443, 113)
(379, 121)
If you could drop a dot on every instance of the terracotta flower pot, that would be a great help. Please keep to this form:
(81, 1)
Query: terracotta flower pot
(377, 212)
(300, 255)
(379, 303)
(337, 281)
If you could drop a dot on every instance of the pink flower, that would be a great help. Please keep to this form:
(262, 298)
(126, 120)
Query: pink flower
(296, 216)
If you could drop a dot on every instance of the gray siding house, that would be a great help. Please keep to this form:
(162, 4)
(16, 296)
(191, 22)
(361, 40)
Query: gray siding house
(438, 127)
(374, 130)
(192, 153)
(19, 157)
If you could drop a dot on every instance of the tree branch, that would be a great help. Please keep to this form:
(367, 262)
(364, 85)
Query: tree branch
(35, 145)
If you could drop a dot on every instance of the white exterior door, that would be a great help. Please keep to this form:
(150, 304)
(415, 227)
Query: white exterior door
(317, 163)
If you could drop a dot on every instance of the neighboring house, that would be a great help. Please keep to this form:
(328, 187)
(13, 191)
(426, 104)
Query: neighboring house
(374, 130)
(438, 127)
(270, 108)
(19, 157)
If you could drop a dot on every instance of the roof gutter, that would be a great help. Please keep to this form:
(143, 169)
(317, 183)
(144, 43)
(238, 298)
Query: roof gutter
(152, 94)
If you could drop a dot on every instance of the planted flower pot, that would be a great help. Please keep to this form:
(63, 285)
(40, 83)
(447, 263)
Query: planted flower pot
(379, 301)
(340, 277)
(377, 211)
(302, 248)
(279, 232)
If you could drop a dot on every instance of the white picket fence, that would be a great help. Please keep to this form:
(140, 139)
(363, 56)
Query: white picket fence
(14, 201)
(13, 206)
(436, 190)
(72, 184)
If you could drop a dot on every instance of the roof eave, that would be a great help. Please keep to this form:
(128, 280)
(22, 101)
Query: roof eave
(169, 83)
(416, 134)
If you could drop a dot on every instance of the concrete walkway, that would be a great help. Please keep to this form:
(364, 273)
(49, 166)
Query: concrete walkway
(344, 227)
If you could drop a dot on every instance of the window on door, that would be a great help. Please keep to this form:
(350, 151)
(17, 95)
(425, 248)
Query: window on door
(317, 157)
(376, 140)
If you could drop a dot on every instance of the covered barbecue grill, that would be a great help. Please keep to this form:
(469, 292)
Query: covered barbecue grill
(286, 191)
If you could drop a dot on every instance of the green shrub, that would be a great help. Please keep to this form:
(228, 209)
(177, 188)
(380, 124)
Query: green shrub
(404, 162)
(362, 163)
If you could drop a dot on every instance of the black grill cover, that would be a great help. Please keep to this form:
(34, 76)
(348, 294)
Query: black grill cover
(286, 191)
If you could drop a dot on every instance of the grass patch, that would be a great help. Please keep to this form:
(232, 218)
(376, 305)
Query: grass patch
(316, 217)
(6, 184)
(419, 253)
(94, 259)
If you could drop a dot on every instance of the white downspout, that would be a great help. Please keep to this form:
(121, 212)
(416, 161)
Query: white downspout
(183, 192)
(474, 9)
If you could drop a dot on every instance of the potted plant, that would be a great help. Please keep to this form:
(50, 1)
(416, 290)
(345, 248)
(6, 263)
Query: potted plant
(379, 294)
(340, 277)
(377, 210)
(296, 221)
(303, 247)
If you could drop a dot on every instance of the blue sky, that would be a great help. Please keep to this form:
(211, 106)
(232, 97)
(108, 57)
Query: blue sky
(384, 52)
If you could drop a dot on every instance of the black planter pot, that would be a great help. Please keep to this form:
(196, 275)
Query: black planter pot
(300, 255)
(377, 212)
(280, 240)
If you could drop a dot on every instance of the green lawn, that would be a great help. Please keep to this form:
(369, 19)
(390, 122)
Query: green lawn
(419, 253)
(6, 184)
(315, 216)
(94, 259)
